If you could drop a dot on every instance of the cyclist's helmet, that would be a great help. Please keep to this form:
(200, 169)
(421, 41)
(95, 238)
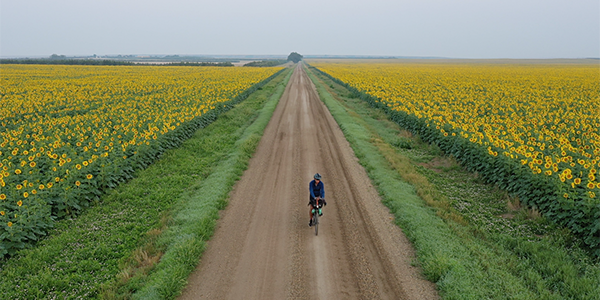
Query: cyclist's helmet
(318, 176)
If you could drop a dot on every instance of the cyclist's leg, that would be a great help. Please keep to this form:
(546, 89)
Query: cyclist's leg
(311, 207)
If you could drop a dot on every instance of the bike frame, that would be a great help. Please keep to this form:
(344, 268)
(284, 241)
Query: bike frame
(315, 211)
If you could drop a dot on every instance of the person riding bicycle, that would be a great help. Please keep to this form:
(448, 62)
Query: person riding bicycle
(317, 192)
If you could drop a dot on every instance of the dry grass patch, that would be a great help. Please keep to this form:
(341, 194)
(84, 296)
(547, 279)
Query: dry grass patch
(440, 164)
(423, 187)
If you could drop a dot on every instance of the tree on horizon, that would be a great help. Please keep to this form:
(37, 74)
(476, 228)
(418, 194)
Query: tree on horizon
(295, 57)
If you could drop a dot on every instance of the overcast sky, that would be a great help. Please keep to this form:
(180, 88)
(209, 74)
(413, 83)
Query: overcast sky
(442, 28)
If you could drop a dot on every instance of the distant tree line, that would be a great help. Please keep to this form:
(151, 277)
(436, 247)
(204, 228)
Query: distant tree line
(266, 63)
(106, 62)
(200, 64)
(56, 56)
(53, 61)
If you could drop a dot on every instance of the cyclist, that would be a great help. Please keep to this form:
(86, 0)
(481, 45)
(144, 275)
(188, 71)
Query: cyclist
(317, 191)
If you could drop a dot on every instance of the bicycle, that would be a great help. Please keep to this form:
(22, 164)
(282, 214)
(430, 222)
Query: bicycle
(317, 211)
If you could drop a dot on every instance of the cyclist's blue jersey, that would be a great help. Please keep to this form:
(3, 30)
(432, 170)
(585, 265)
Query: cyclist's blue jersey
(316, 190)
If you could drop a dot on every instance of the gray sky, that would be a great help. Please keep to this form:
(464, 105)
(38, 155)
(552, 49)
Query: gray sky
(458, 28)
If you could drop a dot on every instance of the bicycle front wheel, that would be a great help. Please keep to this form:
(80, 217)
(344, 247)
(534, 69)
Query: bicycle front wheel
(316, 221)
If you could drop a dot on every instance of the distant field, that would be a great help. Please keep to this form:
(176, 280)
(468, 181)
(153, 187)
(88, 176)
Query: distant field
(567, 61)
(531, 126)
(68, 131)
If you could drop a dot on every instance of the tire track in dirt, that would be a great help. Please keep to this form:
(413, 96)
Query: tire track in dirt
(263, 247)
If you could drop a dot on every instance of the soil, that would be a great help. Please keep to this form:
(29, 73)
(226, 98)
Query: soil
(263, 247)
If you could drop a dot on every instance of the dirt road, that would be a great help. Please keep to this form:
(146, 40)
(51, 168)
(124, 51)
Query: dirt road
(263, 247)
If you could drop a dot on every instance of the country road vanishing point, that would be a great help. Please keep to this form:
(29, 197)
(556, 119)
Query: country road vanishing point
(263, 248)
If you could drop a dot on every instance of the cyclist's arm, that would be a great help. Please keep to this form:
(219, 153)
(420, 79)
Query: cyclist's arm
(310, 188)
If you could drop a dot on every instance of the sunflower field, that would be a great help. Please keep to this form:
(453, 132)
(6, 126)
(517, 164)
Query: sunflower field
(68, 133)
(532, 129)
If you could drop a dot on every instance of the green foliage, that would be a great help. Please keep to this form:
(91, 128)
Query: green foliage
(295, 57)
(402, 143)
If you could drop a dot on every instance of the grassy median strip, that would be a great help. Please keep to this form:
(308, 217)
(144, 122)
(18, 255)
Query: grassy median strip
(194, 218)
(472, 239)
(138, 230)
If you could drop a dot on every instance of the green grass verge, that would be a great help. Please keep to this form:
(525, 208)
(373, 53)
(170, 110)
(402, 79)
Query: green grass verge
(471, 239)
(195, 216)
(151, 230)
